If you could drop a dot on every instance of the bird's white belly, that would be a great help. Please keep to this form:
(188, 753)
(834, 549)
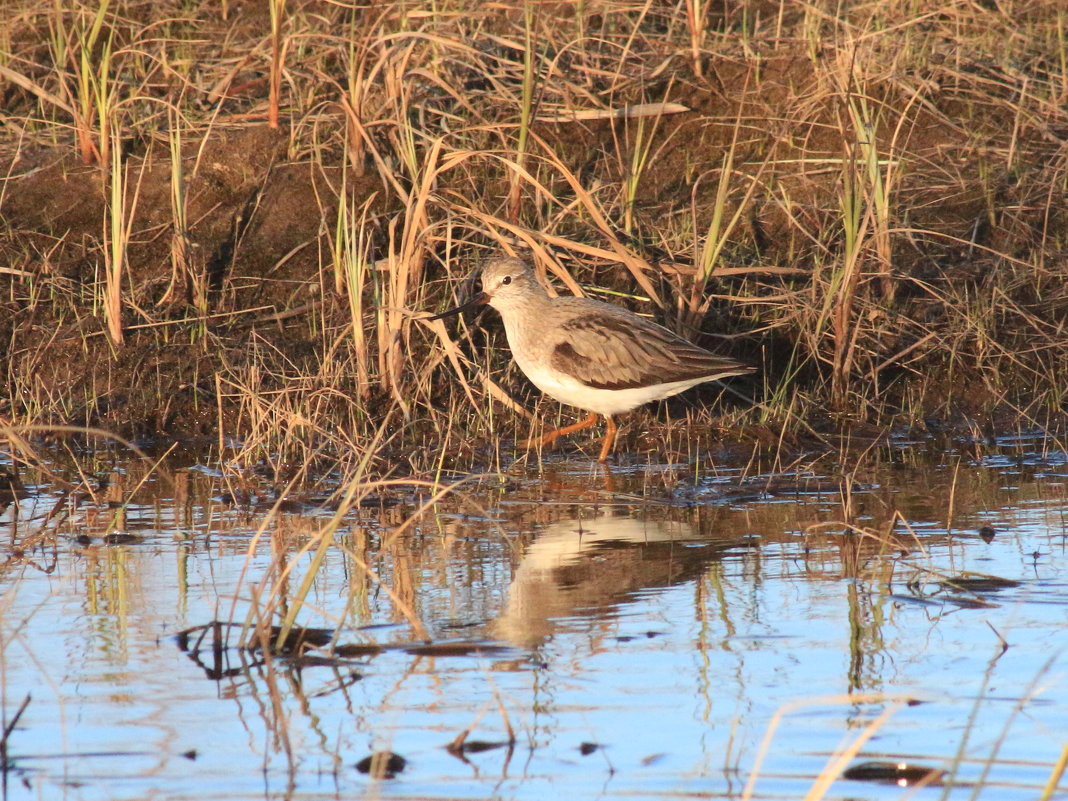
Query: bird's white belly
(603, 401)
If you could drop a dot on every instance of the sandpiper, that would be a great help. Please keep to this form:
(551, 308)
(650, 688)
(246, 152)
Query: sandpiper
(587, 353)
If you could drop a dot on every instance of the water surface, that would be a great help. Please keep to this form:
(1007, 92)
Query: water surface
(635, 638)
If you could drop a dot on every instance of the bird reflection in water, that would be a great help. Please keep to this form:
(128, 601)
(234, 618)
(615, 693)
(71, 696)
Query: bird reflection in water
(589, 569)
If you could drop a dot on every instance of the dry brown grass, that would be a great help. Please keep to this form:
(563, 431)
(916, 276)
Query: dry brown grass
(866, 200)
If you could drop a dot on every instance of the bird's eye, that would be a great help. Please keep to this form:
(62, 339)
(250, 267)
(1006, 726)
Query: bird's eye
(506, 280)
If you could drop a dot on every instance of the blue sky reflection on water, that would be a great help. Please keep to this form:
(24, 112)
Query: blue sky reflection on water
(665, 634)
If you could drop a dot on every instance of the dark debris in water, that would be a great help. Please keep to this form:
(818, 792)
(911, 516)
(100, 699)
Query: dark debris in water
(477, 746)
(455, 649)
(903, 774)
(966, 590)
(296, 641)
(382, 765)
(974, 582)
(116, 538)
(358, 650)
(122, 539)
(299, 648)
(623, 638)
(461, 746)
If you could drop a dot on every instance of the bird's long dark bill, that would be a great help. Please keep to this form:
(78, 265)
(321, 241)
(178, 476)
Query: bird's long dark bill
(481, 299)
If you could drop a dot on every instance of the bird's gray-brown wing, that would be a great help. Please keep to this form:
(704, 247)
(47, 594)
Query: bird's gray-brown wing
(606, 351)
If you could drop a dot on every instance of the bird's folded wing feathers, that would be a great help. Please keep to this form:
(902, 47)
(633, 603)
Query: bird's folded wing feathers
(605, 352)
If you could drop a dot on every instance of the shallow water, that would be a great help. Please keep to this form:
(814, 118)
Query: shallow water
(638, 639)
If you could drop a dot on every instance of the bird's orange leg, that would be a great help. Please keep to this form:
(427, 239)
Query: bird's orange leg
(552, 436)
(609, 438)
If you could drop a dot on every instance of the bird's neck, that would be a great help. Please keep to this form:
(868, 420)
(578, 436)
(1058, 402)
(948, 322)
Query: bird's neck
(526, 320)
